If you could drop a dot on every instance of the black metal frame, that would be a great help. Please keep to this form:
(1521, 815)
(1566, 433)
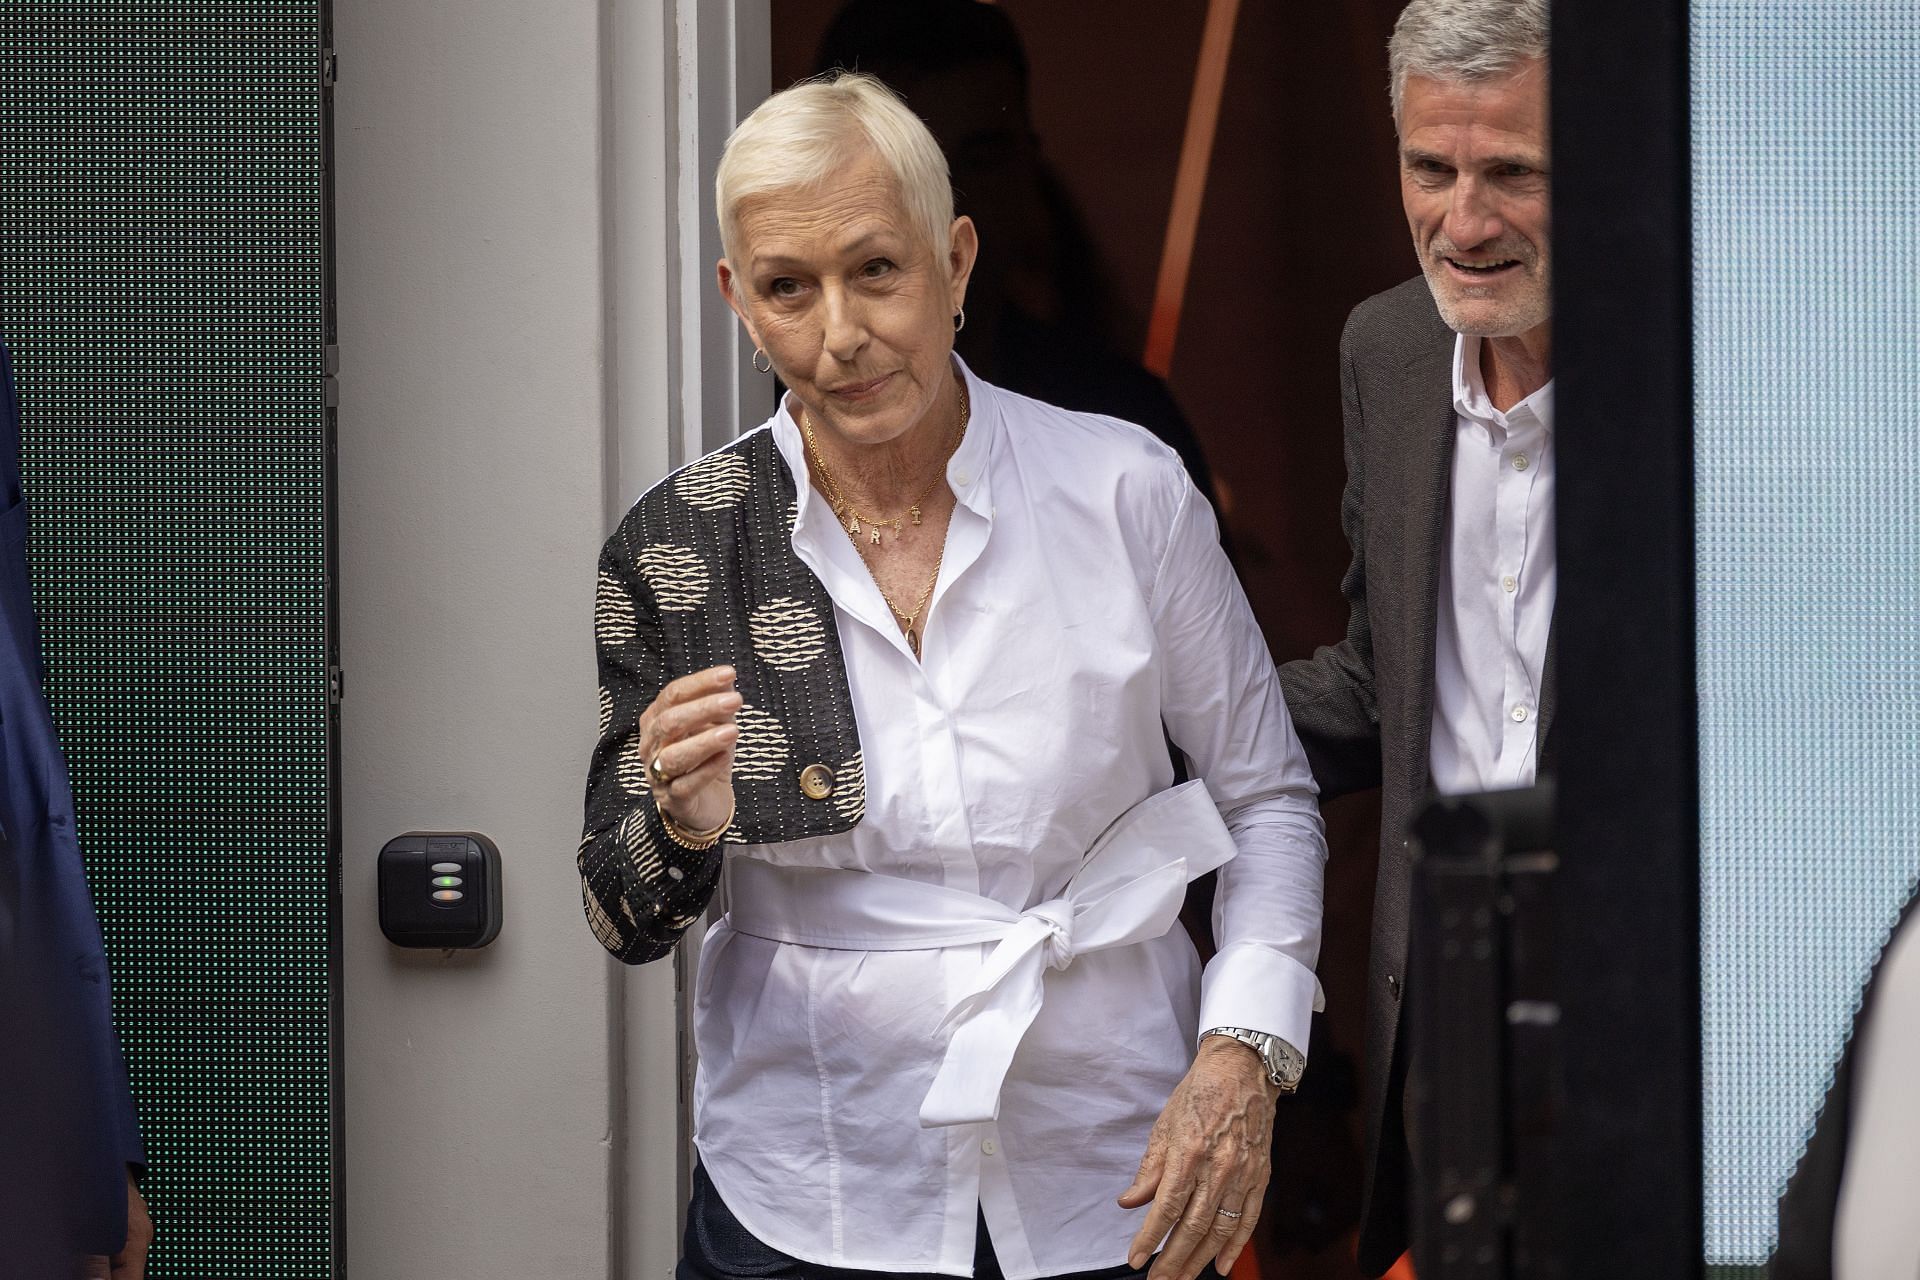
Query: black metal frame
(1628, 825)
(1484, 1086)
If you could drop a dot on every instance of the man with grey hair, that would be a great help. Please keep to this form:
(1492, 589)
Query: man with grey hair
(1444, 679)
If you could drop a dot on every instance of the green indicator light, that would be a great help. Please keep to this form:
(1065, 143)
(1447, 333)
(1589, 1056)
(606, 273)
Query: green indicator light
(446, 882)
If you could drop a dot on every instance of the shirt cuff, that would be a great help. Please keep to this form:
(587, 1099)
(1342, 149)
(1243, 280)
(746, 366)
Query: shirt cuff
(1251, 985)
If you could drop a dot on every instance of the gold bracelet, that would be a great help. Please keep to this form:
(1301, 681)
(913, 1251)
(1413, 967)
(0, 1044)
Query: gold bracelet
(697, 841)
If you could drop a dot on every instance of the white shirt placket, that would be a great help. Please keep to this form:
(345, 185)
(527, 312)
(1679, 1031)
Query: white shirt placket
(1514, 484)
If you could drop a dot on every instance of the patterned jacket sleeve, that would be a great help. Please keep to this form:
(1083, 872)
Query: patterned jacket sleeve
(642, 889)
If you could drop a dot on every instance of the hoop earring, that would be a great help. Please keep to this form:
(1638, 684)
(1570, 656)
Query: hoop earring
(758, 356)
(959, 319)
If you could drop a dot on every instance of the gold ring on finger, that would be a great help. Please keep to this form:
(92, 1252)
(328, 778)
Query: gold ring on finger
(657, 773)
(1228, 1214)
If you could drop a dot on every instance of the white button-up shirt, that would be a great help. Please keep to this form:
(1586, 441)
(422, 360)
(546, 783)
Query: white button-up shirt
(1084, 603)
(1496, 587)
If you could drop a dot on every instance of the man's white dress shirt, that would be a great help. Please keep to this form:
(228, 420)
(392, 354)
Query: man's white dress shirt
(1084, 603)
(1496, 587)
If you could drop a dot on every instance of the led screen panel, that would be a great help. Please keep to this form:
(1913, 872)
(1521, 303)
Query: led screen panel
(1806, 187)
(162, 282)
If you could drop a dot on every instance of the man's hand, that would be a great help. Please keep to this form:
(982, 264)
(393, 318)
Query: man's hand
(131, 1262)
(1207, 1164)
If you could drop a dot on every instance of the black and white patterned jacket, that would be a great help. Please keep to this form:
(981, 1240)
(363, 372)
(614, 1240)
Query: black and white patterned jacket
(701, 572)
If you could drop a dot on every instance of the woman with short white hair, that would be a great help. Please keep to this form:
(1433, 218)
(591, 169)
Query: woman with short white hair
(900, 666)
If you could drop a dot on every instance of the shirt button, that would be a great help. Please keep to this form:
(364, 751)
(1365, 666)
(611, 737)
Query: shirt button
(991, 1147)
(1519, 462)
(1510, 582)
(816, 782)
(1519, 714)
(961, 477)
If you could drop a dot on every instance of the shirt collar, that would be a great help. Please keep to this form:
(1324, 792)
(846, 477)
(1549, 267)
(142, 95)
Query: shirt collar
(1470, 395)
(967, 469)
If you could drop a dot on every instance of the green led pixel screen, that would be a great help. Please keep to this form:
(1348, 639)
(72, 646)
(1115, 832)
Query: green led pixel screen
(163, 289)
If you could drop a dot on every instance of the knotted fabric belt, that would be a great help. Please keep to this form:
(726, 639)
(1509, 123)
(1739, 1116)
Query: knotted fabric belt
(1129, 889)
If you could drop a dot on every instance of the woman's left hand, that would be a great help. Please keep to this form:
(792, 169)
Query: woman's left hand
(1211, 1150)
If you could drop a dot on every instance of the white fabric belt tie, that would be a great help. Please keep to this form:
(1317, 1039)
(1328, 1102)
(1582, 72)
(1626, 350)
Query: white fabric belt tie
(1129, 889)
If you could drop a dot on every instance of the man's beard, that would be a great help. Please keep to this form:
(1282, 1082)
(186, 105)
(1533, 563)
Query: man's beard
(1523, 310)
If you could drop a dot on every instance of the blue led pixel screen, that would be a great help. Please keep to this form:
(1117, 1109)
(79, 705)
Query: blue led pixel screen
(1806, 189)
(163, 290)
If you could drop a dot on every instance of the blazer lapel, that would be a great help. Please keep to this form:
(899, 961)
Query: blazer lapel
(1429, 390)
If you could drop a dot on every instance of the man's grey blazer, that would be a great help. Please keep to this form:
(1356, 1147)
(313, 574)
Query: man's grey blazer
(1364, 707)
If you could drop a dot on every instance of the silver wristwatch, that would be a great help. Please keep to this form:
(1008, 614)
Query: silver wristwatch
(1283, 1062)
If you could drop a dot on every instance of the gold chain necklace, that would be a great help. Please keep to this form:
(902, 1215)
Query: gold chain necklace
(913, 632)
(843, 508)
(910, 621)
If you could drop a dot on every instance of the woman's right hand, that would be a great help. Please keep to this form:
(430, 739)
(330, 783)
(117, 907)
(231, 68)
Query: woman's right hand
(687, 736)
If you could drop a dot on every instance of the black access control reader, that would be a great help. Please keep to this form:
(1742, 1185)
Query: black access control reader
(440, 889)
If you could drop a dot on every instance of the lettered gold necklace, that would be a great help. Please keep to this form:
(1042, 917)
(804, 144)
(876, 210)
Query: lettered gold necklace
(852, 518)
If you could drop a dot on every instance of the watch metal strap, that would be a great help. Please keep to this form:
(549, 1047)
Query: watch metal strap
(1273, 1053)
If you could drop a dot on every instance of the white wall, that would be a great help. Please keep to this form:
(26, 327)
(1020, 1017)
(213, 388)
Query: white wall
(507, 174)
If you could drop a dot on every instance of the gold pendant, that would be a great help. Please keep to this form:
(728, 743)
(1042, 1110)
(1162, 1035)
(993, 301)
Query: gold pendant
(853, 526)
(876, 537)
(913, 642)
(916, 515)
